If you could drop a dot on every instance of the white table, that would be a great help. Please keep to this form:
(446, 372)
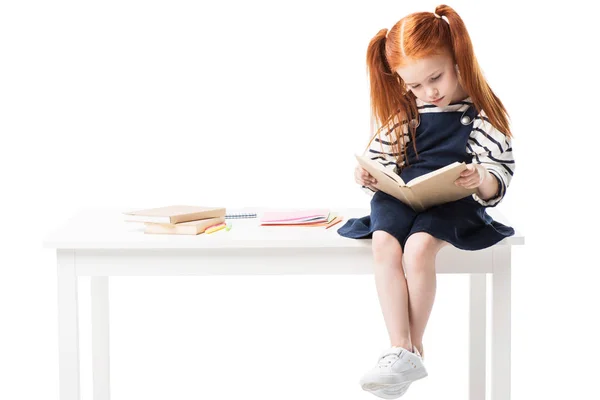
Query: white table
(99, 244)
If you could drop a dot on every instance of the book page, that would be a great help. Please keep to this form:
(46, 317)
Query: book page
(378, 171)
(387, 181)
(438, 187)
(448, 169)
(412, 200)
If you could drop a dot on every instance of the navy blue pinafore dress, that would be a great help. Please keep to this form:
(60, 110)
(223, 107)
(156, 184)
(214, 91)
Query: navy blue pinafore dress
(441, 139)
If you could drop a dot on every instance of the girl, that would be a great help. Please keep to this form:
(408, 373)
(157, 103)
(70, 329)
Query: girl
(433, 107)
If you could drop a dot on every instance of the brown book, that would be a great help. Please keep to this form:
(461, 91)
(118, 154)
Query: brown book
(434, 188)
(183, 228)
(174, 214)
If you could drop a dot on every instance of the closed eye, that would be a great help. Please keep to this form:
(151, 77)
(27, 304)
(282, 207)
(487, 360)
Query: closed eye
(435, 78)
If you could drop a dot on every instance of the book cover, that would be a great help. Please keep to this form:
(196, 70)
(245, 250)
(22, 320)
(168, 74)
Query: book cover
(174, 214)
(183, 228)
(434, 188)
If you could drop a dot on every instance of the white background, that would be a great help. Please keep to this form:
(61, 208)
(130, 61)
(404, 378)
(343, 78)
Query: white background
(136, 104)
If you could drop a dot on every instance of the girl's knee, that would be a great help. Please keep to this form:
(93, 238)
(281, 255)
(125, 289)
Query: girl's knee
(385, 247)
(420, 248)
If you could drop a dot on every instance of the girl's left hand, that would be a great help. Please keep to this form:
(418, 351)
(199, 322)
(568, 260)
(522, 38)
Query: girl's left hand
(472, 177)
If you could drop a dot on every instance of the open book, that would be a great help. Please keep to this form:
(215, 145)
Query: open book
(423, 192)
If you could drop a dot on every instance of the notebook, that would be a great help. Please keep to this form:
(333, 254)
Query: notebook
(327, 224)
(241, 215)
(295, 217)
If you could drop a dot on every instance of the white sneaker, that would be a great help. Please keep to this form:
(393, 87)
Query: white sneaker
(395, 391)
(395, 370)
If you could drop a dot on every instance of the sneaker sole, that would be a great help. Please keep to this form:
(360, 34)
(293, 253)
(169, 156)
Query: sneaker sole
(392, 392)
(384, 382)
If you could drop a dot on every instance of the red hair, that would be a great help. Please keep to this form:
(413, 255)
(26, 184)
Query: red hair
(415, 36)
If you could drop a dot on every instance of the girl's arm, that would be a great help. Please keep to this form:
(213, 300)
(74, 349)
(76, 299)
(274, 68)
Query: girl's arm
(491, 149)
(381, 149)
(490, 187)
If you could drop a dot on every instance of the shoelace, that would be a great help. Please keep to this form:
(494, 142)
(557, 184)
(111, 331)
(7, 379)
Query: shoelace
(387, 359)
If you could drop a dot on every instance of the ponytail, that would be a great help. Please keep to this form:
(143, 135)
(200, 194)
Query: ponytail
(471, 77)
(391, 106)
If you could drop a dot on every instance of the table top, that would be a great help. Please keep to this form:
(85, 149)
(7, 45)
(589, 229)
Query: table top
(107, 229)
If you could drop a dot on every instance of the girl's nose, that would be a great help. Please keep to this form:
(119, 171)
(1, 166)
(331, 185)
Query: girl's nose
(433, 93)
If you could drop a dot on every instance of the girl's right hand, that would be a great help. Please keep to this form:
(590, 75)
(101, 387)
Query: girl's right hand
(364, 178)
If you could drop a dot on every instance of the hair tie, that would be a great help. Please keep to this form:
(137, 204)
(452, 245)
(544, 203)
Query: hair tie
(442, 17)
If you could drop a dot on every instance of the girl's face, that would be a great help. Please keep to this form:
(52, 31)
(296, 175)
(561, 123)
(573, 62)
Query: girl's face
(433, 80)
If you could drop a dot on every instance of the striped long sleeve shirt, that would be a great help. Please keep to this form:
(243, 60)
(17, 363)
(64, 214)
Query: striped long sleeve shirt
(486, 145)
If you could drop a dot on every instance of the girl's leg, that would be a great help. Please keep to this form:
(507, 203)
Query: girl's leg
(391, 287)
(420, 252)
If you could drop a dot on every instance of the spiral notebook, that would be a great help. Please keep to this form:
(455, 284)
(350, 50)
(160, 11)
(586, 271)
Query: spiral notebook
(240, 215)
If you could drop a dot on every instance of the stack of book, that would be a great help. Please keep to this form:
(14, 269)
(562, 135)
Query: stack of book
(179, 220)
(313, 217)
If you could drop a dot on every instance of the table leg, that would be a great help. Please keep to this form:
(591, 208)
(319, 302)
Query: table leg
(501, 324)
(477, 336)
(100, 338)
(68, 326)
